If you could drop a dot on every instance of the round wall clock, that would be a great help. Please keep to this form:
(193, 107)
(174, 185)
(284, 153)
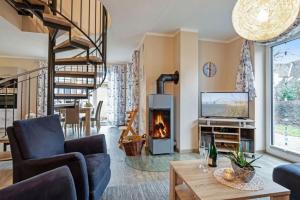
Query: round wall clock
(209, 69)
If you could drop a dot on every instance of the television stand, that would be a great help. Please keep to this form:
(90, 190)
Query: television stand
(230, 133)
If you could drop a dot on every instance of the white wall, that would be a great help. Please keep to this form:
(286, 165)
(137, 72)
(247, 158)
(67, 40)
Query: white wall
(188, 86)
(183, 52)
(260, 100)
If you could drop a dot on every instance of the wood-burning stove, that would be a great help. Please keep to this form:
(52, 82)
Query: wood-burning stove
(161, 117)
(161, 124)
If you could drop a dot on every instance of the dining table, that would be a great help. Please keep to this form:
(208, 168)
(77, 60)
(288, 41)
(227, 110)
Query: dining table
(86, 110)
(87, 123)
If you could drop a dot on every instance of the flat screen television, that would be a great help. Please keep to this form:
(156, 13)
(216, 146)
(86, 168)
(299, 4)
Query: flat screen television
(225, 104)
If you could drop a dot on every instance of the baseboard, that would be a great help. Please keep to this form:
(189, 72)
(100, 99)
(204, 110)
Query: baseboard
(187, 150)
(261, 151)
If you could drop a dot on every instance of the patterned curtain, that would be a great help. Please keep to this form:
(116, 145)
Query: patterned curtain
(123, 90)
(42, 89)
(116, 77)
(245, 75)
(132, 86)
(290, 32)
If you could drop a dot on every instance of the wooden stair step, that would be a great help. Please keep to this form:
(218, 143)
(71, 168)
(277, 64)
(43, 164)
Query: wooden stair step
(70, 96)
(75, 74)
(54, 21)
(36, 2)
(35, 5)
(79, 61)
(73, 43)
(74, 85)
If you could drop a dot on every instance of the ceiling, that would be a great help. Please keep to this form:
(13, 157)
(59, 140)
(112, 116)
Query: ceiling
(15, 43)
(131, 19)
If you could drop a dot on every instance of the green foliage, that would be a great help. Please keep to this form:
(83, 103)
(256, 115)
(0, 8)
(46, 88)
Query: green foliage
(88, 104)
(240, 160)
(292, 130)
(288, 89)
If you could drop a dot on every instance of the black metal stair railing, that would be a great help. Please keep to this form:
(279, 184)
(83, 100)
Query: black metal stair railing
(90, 18)
(23, 96)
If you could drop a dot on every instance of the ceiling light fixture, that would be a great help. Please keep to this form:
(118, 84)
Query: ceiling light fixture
(262, 20)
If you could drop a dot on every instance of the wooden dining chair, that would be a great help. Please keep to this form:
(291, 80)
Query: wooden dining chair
(72, 117)
(96, 118)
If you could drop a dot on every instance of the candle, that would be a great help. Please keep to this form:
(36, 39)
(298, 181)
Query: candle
(228, 174)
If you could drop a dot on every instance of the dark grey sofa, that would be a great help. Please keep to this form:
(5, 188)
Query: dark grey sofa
(56, 184)
(289, 176)
(38, 146)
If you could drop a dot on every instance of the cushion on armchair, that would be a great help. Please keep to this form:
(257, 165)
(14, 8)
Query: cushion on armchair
(289, 176)
(45, 139)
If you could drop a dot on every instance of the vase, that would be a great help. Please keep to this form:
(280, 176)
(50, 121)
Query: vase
(246, 174)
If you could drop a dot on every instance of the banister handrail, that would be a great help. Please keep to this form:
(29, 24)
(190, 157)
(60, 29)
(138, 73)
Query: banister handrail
(22, 74)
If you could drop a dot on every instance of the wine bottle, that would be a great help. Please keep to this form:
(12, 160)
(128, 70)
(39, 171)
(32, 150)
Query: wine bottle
(212, 158)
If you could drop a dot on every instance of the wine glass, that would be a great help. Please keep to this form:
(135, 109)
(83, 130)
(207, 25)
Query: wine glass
(203, 150)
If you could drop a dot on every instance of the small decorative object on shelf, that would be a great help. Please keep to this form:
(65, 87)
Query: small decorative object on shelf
(243, 169)
(213, 154)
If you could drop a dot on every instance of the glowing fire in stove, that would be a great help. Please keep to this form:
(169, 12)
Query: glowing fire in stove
(160, 127)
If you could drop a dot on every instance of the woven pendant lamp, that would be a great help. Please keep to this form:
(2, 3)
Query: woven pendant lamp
(262, 20)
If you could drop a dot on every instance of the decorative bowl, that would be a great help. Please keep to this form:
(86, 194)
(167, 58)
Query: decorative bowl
(245, 174)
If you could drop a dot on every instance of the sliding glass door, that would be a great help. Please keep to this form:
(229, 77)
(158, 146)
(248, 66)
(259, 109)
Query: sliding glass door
(285, 78)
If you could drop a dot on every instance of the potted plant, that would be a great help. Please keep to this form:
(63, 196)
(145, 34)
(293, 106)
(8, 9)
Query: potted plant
(242, 168)
(88, 104)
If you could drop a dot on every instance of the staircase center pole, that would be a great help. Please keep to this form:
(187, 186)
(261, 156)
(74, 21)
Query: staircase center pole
(51, 69)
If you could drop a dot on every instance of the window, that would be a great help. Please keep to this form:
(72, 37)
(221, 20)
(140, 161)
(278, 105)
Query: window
(285, 117)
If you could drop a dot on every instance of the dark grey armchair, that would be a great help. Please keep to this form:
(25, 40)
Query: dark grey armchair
(38, 145)
(288, 176)
(56, 184)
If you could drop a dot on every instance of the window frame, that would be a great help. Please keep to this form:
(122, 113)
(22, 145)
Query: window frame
(270, 148)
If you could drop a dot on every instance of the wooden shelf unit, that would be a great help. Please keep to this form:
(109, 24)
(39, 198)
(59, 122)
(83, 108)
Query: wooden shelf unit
(229, 133)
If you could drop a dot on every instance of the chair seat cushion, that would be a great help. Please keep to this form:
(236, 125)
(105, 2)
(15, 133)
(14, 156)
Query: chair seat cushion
(289, 177)
(97, 166)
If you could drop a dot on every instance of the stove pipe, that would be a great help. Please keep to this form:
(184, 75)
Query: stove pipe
(160, 87)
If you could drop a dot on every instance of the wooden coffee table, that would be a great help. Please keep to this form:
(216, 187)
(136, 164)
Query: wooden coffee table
(188, 182)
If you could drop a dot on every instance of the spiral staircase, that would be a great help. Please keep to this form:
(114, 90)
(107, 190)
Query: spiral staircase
(77, 45)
